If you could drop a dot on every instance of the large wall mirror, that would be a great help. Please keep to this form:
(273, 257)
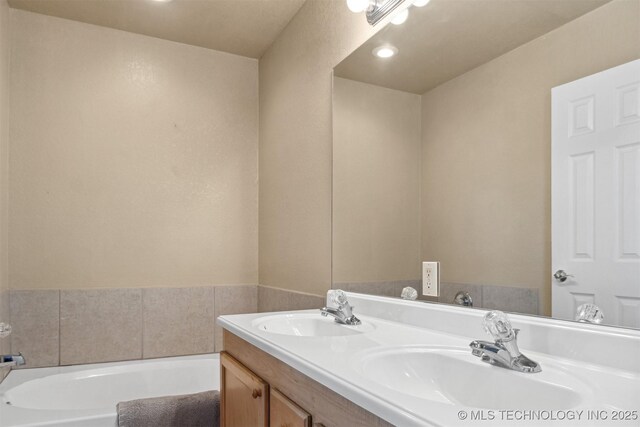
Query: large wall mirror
(448, 151)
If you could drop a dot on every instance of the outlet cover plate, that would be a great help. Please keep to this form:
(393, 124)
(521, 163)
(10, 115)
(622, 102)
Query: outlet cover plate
(431, 278)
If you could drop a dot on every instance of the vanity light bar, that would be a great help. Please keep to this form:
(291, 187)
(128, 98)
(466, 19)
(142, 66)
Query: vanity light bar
(381, 9)
(377, 10)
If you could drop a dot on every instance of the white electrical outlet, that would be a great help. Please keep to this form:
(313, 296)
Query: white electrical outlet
(431, 278)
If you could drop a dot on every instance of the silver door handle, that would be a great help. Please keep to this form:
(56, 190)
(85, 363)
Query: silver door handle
(561, 276)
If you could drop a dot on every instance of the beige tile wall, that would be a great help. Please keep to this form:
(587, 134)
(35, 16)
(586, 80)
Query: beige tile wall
(100, 325)
(177, 321)
(513, 299)
(391, 288)
(276, 299)
(495, 297)
(233, 300)
(68, 327)
(35, 318)
(5, 343)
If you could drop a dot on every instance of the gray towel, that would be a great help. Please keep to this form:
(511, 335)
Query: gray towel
(188, 410)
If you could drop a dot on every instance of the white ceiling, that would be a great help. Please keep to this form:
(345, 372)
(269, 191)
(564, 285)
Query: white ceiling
(447, 38)
(243, 27)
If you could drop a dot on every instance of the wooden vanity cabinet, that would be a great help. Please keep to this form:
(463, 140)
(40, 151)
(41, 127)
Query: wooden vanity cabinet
(244, 396)
(284, 413)
(247, 401)
(258, 390)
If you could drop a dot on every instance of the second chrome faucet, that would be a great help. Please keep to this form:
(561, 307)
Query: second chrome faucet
(343, 311)
(504, 351)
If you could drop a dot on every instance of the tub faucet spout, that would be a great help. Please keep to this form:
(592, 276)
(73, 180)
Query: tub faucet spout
(12, 360)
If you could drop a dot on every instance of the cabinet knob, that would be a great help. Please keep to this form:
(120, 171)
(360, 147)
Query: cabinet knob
(256, 393)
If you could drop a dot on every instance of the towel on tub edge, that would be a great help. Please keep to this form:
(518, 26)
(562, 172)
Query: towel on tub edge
(192, 410)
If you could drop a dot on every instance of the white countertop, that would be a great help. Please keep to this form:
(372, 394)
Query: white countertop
(335, 362)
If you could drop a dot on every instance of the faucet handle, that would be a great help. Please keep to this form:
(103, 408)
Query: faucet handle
(589, 313)
(5, 330)
(339, 298)
(409, 293)
(497, 324)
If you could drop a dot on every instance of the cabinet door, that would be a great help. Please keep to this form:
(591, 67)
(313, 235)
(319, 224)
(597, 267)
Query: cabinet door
(245, 397)
(284, 413)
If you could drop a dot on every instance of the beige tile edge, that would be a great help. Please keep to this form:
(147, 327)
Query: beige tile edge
(275, 288)
(106, 288)
(277, 299)
(246, 298)
(138, 311)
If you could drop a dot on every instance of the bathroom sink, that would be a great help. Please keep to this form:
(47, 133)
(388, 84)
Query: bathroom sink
(452, 375)
(308, 325)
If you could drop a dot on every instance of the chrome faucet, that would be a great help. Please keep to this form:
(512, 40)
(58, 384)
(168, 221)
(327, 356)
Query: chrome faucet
(11, 360)
(343, 313)
(504, 351)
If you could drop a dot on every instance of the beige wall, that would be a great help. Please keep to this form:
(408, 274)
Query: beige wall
(133, 160)
(376, 183)
(4, 169)
(296, 141)
(486, 155)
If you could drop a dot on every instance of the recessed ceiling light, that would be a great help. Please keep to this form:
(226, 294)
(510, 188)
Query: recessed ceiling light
(400, 17)
(162, 1)
(386, 51)
(420, 3)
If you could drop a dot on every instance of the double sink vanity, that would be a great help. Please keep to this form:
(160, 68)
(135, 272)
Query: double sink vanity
(410, 364)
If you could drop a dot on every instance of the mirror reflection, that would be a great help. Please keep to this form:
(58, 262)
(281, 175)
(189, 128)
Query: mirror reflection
(502, 141)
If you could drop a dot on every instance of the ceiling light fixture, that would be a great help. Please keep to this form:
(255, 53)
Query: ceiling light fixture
(420, 3)
(385, 51)
(401, 17)
(357, 6)
(377, 10)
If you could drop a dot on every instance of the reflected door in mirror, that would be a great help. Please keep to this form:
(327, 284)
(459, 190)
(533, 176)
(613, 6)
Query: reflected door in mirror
(596, 195)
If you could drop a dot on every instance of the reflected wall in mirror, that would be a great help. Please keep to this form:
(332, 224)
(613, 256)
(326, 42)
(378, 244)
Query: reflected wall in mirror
(443, 152)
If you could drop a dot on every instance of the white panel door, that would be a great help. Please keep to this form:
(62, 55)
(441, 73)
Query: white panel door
(596, 194)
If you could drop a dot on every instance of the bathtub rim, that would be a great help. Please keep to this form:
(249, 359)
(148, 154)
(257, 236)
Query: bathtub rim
(11, 416)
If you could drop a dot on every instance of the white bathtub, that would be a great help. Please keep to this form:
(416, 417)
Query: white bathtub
(86, 395)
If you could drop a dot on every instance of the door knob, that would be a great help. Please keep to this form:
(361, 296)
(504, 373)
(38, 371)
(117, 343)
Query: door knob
(561, 276)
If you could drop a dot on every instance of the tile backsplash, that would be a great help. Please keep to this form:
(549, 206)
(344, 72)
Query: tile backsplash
(495, 297)
(100, 325)
(67, 327)
(35, 319)
(277, 299)
(5, 343)
(177, 321)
